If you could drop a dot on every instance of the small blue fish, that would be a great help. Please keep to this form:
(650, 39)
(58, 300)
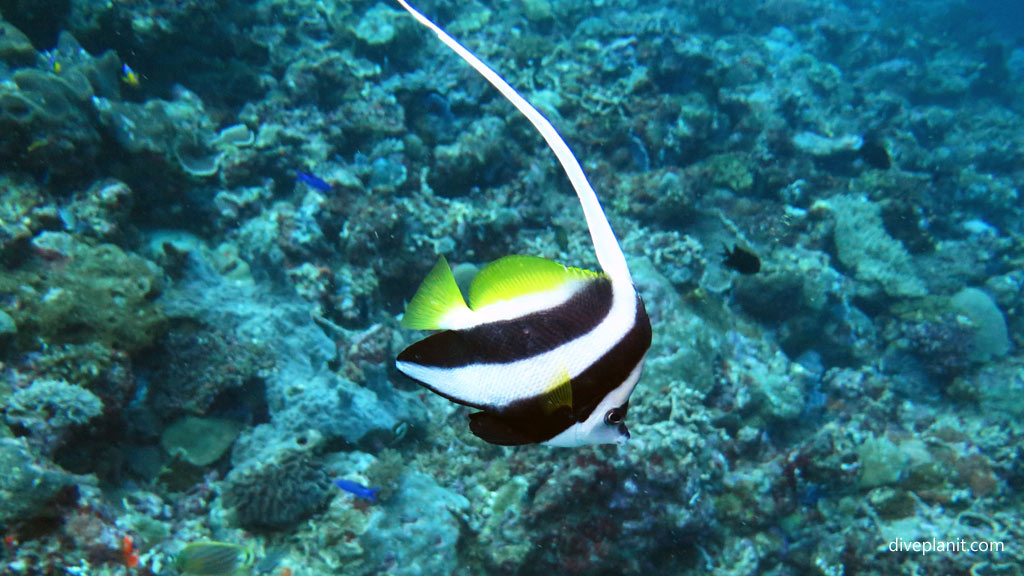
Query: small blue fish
(313, 181)
(357, 489)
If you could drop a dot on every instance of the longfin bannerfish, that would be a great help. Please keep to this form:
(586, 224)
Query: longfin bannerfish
(547, 353)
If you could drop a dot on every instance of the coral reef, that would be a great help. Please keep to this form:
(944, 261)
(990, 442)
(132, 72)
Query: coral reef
(48, 117)
(199, 442)
(880, 262)
(73, 292)
(36, 482)
(421, 532)
(48, 410)
(103, 371)
(23, 214)
(280, 491)
(209, 363)
(990, 338)
(213, 214)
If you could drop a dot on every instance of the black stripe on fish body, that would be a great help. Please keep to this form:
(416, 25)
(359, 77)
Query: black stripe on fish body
(528, 421)
(613, 368)
(519, 338)
(520, 427)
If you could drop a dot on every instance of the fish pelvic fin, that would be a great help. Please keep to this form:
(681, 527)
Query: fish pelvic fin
(438, 303)
(514, 276)
(559, 396)
(494, 429)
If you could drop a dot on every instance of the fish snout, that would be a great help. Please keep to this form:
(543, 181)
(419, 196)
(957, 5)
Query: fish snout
(623, 434)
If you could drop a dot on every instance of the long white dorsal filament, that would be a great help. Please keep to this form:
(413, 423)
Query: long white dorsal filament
(609, 254)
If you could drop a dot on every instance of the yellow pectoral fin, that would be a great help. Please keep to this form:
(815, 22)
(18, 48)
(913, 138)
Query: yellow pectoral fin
(514, 276)
(559, 394)
(436, 302)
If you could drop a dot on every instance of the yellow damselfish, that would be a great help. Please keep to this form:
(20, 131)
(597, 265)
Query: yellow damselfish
(211, 558)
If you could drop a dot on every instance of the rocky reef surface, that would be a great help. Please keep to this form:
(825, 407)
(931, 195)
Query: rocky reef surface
(212, 214)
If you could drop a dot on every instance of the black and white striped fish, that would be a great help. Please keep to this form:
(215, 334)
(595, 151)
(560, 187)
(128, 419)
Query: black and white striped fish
(548, 353)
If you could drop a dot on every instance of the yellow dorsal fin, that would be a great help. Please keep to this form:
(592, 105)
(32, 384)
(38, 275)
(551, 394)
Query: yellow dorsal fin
(514, 276)
(559, 394)
(436, 302)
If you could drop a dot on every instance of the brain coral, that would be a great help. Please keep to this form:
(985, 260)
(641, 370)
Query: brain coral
(278, 492)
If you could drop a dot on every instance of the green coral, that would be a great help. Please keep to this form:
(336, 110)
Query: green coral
(494, 475)
(335, 538)
(378, 25)
(885, 462)
(82, 293)
(990, 336)
(53, 402)
(731, 171)
(47, 117)
(8, 329)
(880, 262)
(459, 166)
(15, 47)
(52, 97)
(507, 503)
(538, 10)
(655, 195)
(881, 462)
(23, 213)
(179, 130)
(199, 441)
(386, 472)
(33, 479)
(83, 364)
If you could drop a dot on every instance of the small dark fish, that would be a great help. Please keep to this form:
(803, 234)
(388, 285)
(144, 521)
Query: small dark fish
(742, 261)
(357, 489)
(876, 154)
(313, 181)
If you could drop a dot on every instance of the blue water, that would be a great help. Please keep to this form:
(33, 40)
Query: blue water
(213, 217)
(1006, 17)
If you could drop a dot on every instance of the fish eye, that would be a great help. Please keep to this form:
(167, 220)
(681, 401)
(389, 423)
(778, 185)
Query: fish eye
(615, 416)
